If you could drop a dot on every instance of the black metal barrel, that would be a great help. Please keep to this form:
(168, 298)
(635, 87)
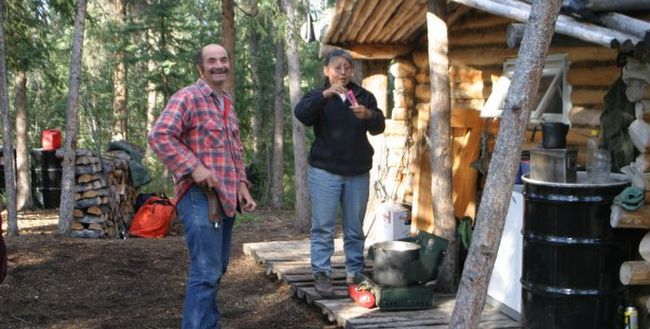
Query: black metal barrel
(572, 256)
(2, 168)
(46, 179)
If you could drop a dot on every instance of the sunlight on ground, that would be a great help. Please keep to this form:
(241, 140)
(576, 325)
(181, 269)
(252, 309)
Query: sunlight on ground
(30, 220)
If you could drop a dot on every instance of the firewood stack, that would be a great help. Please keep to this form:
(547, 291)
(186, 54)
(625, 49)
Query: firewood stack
(104, 197)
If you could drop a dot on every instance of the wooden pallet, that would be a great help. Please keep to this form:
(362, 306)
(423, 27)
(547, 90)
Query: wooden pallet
(289, 262)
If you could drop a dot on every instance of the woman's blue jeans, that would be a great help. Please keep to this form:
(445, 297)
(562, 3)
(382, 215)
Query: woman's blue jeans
(209, 252)
(327, 192)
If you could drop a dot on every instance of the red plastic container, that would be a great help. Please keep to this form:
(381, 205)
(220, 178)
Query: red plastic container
(363, 297)
(51, 139)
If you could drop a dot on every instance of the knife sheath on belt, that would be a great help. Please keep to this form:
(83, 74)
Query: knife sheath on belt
(215, 211)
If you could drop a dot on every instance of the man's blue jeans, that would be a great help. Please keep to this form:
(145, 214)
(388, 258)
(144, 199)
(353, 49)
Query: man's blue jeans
(327, 192)
(209, 252)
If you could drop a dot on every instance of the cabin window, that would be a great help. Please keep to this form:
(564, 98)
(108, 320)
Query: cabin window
(553, 100)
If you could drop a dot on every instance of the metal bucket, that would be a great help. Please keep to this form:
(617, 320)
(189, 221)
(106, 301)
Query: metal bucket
(391, 262)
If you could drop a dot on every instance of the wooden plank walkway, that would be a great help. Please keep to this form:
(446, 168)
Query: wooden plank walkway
(289, 262)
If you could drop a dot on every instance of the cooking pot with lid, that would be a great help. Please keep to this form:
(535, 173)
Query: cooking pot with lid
(391, 262)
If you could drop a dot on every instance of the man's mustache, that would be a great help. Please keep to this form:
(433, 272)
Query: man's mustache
(218, 71)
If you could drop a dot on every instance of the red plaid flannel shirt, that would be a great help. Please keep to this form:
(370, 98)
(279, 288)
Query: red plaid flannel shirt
(192, 130)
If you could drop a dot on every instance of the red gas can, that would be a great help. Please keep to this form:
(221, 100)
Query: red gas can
(363, 297)
(51, 139)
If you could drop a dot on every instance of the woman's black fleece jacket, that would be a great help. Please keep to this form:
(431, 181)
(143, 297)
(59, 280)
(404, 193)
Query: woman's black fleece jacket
(341, 146)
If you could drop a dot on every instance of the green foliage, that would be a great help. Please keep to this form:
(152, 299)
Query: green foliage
(159, 39)
(245, 219)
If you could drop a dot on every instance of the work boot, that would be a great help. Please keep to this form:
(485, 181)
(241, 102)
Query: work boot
(323, 284)
(350, 278)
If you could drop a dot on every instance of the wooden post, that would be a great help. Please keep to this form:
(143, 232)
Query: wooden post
(440, 137)
(515, 33)
(628, 24)
(504, 165)
(566, 25)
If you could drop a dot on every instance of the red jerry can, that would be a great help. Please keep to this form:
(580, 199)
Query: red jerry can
(364, 298)
(51, 139)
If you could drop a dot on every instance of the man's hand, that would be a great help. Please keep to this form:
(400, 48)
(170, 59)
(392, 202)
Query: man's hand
(361, 112)
(203, 177)
(245, 199)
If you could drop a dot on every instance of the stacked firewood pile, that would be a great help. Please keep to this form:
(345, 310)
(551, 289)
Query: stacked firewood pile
(103, 196)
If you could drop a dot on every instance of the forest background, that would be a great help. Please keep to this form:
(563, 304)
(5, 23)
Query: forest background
(137, 53)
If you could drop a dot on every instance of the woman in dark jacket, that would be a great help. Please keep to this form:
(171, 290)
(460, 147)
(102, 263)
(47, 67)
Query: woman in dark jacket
(341, 114)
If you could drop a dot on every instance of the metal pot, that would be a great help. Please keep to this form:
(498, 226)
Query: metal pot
(554, 135)
(391, 262)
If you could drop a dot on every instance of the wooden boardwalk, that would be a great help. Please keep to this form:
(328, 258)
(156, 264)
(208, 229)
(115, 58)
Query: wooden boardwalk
(289, 262)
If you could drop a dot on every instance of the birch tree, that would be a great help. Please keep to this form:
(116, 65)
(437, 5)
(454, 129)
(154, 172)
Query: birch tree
(303, 215)
(7, 141)
(120, 71)
(228, 41)
(72, 121)
(503, 166)
(277, 163)
(23, 190)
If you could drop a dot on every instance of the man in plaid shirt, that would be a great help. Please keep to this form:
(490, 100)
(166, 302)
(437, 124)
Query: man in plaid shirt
(197, 137)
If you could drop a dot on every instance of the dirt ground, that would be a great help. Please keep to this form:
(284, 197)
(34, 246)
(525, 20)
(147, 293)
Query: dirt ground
(62, 282)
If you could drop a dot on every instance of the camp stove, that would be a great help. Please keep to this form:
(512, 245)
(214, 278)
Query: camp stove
(405, 287)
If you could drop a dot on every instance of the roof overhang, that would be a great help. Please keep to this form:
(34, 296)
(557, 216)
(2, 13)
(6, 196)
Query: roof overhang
(373, 29)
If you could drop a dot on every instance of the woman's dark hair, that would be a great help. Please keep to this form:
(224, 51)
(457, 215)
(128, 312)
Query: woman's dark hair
(337, 53)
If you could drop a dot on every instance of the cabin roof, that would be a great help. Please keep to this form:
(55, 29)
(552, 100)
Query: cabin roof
(386, 29)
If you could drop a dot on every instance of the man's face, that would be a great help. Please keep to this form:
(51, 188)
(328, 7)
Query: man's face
(216, 64)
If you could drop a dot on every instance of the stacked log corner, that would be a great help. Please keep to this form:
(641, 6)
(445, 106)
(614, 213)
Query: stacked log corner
(103, 196)
(395, 151)
(398, 146)
(637, 272)
(419, 150)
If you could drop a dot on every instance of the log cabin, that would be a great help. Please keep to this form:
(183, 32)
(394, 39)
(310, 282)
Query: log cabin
(592, 42)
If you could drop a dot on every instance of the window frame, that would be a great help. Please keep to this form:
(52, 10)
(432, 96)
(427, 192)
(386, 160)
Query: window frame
(555, 65)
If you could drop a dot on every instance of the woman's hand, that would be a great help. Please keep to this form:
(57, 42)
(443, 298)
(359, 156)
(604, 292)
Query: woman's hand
(334, 89)
(361, 112)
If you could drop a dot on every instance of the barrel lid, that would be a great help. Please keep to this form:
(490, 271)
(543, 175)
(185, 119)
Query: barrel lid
(581, 181)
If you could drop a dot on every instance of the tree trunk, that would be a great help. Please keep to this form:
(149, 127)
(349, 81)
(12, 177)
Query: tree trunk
(23, 188)
(277, 166)
(440, 137)
(228, 41)
(303, 215)
(7, 143)
(152, 95)
(70, 144)
(257, 117)
(503, 167)
(120, 90)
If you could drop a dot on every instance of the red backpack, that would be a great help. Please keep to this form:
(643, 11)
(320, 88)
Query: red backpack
(3, 255)
(153, 218)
